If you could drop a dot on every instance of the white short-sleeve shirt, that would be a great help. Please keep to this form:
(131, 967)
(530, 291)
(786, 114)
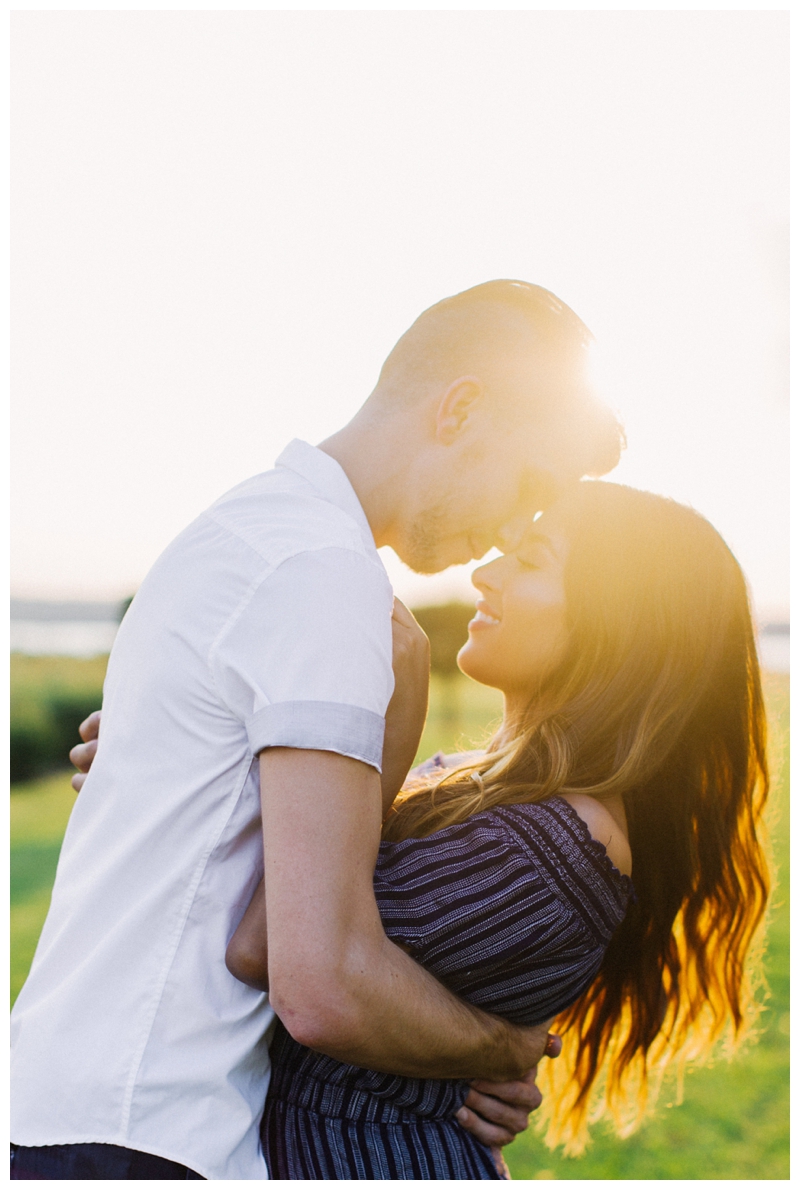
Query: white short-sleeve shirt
(267, 622)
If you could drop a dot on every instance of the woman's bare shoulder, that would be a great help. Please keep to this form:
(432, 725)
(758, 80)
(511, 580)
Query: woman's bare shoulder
(604, 827)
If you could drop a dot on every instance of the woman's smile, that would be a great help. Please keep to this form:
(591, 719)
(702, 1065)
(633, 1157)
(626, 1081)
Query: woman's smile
(485, 617)
(517, 635)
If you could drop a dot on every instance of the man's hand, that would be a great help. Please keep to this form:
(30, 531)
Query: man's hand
(83, 754)
(406, 713)
(496, 1118)
(496, 1112)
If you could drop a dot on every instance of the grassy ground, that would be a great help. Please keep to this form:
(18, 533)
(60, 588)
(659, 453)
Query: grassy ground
(31, 675)
(39, 814)
(733, 1122)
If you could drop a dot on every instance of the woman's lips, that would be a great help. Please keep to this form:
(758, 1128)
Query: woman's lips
(485, 617)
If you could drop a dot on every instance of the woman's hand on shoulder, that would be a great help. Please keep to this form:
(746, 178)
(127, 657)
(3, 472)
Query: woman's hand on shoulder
(405, 715)
(606, 823)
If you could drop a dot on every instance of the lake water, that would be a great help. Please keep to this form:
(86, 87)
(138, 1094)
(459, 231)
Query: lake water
(73, 638)
(88, 638)
(773, 648)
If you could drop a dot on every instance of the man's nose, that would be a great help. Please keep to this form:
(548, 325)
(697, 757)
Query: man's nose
(510, 535)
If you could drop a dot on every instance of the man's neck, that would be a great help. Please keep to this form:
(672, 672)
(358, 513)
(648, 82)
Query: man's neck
(373, 461)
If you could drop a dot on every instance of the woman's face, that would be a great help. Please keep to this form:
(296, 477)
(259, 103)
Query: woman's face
(519, 634)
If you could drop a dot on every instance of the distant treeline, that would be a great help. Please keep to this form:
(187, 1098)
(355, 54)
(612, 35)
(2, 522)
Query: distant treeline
(41, 742)
(51, 696)
(445, 625)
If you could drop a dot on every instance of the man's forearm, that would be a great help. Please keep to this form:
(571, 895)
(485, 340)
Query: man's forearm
(337, 982)
(407, 1037)
(382, 1010)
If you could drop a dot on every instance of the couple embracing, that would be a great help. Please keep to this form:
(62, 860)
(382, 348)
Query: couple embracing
(274, 950)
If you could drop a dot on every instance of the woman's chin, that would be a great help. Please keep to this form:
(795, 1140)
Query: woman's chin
(471, 663)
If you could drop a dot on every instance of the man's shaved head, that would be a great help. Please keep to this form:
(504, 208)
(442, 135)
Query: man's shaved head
(483, 413)
(461, 334)
(525, 345)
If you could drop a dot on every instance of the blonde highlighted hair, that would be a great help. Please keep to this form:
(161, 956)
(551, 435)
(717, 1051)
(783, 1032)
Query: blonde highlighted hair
(658, 699)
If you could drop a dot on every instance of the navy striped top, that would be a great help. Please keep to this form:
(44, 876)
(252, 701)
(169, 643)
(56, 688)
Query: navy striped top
(512, 909)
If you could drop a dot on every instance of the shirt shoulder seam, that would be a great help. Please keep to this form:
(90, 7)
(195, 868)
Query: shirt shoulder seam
(262, 576)
(355, 545)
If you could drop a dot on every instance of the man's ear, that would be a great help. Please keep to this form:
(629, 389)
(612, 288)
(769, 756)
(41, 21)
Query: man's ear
(455, 406)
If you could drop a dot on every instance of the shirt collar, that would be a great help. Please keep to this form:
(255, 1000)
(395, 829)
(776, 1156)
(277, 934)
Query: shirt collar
(327, 476)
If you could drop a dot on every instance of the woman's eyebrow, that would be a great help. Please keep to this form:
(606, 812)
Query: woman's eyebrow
(534, 539)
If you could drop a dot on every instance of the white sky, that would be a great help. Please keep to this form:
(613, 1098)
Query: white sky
(223, 221)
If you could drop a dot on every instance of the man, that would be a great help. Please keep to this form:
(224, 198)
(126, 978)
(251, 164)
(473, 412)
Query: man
(247, 692)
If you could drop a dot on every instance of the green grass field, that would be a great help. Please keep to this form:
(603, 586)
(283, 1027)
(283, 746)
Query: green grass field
(734, 1120)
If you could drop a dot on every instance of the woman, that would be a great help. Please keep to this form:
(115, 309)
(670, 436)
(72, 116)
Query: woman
(632, 744)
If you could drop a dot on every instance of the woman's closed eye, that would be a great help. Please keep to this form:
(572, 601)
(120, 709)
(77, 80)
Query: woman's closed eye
(535, 552)
(535, 558)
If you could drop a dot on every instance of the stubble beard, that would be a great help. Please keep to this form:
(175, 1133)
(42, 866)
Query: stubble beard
(423, 545)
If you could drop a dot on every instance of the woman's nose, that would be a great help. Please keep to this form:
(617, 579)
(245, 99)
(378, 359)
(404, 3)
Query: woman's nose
(489, 576)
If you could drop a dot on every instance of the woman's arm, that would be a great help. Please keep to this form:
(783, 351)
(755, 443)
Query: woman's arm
(246, 956)
(408, 708)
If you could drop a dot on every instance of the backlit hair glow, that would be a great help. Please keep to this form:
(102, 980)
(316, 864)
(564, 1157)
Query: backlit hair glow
(658, 699)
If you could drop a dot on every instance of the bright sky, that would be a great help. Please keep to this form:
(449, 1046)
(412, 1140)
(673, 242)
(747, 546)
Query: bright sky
(222, 221)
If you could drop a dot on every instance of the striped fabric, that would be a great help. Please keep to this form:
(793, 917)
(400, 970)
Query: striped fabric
(513, 910)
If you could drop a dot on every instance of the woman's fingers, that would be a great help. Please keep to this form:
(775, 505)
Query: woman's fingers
(90, 728)
(410, 645)
(403, 616)
(82, 755)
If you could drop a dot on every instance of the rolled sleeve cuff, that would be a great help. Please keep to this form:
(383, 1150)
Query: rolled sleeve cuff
(323, 726)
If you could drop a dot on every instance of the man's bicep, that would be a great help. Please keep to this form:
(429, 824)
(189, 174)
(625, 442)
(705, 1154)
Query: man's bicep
(307, 661)
(322, 818)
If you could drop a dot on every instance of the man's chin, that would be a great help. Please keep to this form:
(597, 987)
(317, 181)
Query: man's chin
(426, 553)
(435, 565)
(428, 566)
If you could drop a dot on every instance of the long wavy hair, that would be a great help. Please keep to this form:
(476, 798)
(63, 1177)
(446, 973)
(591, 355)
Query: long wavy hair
(657, 698)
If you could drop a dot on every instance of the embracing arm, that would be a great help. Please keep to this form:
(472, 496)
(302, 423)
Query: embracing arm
(494, 1111)
(246, 955)
(336, 981)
